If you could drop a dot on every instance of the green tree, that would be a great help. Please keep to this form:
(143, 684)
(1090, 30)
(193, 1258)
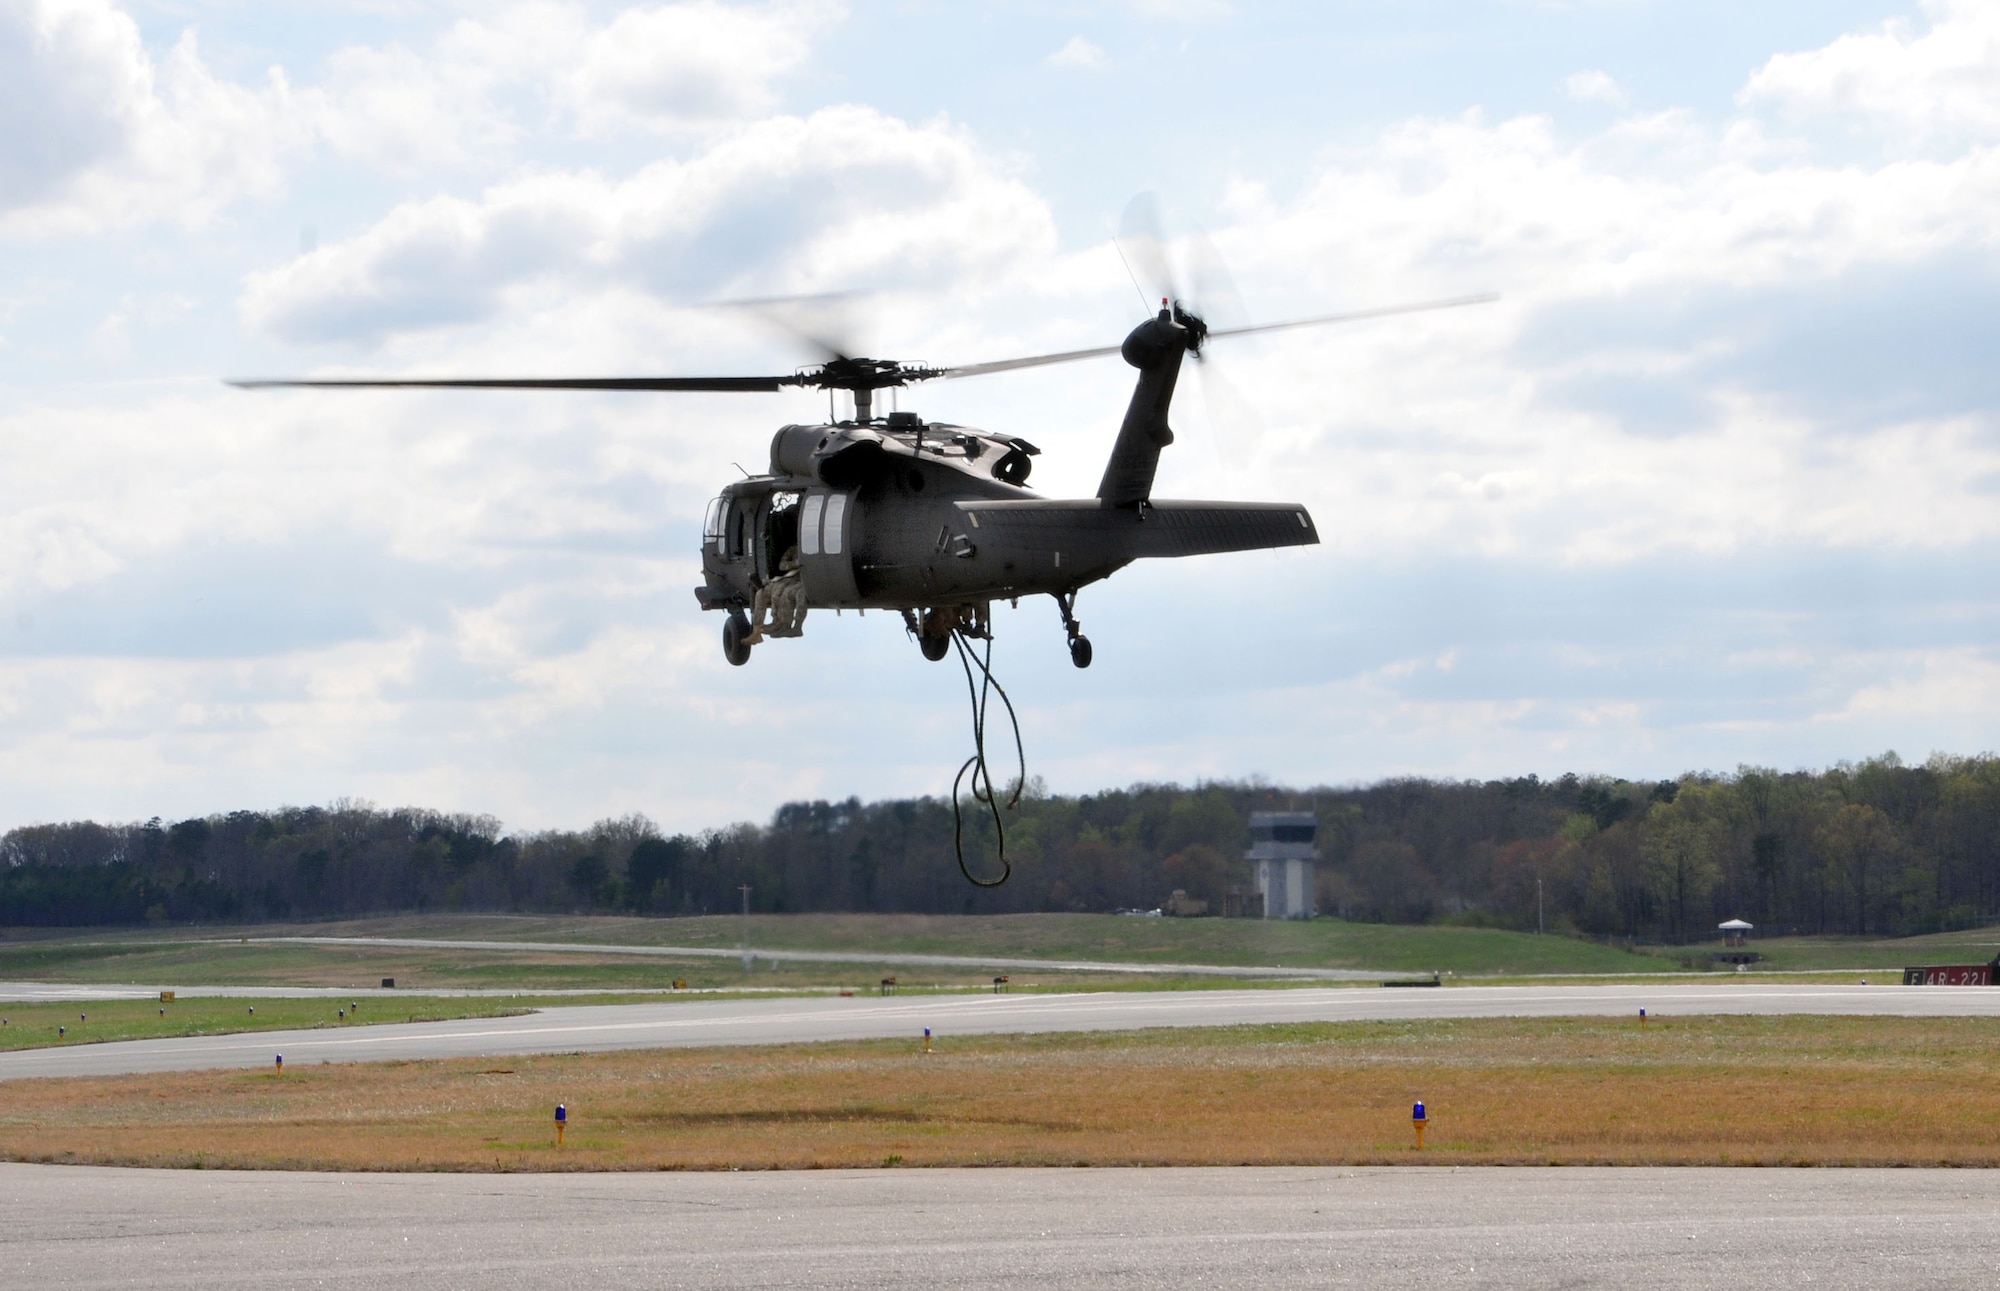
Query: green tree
(652, 872)
(1858, 843)
(1678, 847)
(589, 877)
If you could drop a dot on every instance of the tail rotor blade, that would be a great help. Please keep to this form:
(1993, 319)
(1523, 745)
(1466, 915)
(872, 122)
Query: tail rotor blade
(1215, 297)
(1239, 427)
(1144, 250)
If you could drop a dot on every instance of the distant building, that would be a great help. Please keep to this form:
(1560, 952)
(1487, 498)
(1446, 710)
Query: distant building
(1735, 935)
(1243, 903)
(1281, 859)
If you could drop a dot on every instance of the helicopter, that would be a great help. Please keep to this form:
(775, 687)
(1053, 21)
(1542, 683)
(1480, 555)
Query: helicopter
(933, 520)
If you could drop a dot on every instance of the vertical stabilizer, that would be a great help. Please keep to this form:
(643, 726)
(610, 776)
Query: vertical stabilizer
(1156, 348)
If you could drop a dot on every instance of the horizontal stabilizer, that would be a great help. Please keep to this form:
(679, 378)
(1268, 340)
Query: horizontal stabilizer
(1202, 528)
(1099, 532)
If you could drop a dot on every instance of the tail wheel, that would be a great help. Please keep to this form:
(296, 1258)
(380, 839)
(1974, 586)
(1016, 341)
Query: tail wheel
(1079, 651)
(734, 647)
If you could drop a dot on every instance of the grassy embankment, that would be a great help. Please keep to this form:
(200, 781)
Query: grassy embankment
(1707, 1090)
(218, 957)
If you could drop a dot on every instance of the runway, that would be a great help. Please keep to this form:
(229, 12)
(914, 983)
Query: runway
(63, 1227)
(691, 1023)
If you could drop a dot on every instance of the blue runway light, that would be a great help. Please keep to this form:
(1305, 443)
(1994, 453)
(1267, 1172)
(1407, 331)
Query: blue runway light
(1417, 1113)
(562, 1114)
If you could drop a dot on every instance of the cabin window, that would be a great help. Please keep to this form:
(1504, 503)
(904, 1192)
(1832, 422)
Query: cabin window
(711, 528)
(738, 530)
(781, 532)
(809, 525)
(836, 511)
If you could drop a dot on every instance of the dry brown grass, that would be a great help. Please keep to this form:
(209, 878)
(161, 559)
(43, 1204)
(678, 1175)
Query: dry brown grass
(1779, 1091)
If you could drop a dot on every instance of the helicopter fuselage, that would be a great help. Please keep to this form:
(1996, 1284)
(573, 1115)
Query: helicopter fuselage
(910, 515)
(878, 516)
(935, 520)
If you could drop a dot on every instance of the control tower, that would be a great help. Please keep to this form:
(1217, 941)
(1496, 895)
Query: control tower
(1281, 857)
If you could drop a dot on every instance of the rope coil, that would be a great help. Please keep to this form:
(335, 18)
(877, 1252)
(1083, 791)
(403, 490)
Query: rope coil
(982, 775)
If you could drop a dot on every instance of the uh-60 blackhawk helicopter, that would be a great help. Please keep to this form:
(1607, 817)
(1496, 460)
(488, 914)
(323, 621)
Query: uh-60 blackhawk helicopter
(934, 520)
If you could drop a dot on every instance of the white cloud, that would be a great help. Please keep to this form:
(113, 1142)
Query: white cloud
(210, 598)
(1626, 397)
(1593, 87)
(847, 197)
(404, 112)
(104, 133)
(1942, 82)
(1078, 53)
(679, 65)
(100, 134)
(520, 69)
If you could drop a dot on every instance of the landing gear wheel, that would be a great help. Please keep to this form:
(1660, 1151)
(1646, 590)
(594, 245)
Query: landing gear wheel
(734, 647)
(1079, 644)
(933, 633)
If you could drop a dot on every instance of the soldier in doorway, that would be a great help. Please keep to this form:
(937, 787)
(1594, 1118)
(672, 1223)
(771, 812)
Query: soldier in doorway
(788, 607)
(781, 601)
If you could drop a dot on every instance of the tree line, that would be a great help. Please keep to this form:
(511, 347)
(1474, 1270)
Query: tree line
(1876, 847)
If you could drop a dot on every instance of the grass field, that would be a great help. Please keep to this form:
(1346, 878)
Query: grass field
(35, 1026)
(1976, 946)
(1768, 1091)
(1319, 943)
(223, 957)
(230, 962)
(216, 957)
(186, 958)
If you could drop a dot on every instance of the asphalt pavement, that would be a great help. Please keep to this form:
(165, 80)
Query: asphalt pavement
(693, 1023)
(1699, 1229)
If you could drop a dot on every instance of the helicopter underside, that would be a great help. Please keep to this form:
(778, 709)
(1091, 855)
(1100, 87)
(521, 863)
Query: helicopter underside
(942, 560)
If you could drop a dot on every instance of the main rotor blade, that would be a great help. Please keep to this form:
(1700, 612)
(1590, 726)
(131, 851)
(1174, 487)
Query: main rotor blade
(765, 385)
(1032, 361)
(824, 322)
(1071, 356)
(713, 384)
(1485, 298)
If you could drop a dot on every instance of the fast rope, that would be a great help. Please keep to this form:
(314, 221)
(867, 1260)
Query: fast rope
(982, 776)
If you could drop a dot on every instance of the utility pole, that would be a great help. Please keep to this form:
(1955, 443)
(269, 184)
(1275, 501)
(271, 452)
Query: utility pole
(745, 890)
(1538, 907)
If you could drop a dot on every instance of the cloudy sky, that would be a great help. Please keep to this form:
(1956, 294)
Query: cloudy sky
(1715, 482)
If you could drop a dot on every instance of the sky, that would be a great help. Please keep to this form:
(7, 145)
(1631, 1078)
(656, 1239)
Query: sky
(1713, 483)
